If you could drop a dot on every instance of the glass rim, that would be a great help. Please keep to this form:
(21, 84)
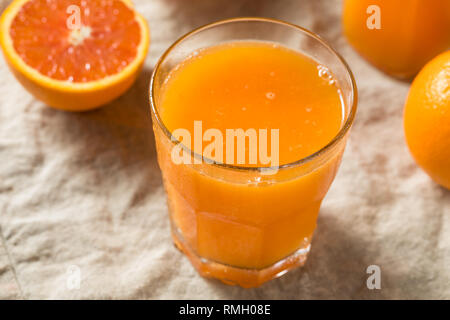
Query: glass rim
(338, 137)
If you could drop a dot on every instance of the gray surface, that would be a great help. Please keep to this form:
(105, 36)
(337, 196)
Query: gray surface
(85, 189)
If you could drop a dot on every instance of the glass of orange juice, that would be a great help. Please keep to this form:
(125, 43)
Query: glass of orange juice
(251, 118)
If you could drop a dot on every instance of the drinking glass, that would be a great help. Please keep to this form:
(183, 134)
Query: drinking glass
(240, 224)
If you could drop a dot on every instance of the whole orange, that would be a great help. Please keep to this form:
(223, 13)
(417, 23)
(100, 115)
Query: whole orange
(427, 119)
(397, 36)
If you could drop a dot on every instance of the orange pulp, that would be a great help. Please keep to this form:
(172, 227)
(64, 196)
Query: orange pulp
(104, 43)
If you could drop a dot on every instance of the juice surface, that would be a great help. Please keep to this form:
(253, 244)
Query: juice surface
(227, 220)
(256, 85)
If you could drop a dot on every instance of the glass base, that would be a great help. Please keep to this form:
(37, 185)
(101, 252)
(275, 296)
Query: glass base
(246, 278)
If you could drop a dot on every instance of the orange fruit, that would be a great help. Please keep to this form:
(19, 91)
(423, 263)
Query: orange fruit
(408, 35)
(427, 119)
(74, 54)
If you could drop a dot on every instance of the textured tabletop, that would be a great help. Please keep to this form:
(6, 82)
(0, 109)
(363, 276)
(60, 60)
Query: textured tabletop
(81, 193)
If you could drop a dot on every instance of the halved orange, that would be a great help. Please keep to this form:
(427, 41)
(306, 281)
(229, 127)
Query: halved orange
(74, 54)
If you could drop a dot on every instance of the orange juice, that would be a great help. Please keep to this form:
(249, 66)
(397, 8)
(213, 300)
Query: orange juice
(255, 85)
(232, 221)
(250, 85)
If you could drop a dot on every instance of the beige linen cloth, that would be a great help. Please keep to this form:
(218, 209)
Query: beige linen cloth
(84, 190)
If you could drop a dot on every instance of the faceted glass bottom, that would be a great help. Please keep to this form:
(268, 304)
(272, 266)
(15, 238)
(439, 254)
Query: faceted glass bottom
(246, 278)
